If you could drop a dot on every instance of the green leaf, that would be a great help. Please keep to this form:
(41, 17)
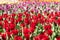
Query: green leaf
(11, 39)
(1, 30)
(44, 7)
(55, 32)
(19, 34)
(1, 12)
(38, 29)
(58, 31)
(17, 26)
(39, 25)
(52, 37)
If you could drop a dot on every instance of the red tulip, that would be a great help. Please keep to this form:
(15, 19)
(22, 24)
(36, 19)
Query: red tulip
(58, 38)
(32, 25)
(11, 26)
(45, 38)
(15, 32)
(17, 38)
(58, 21)
(41, 20)
(16, 21)
(51, 15)
(39, 15)
(25, 13)
(31, 29)
(25, 31)
(19, 19)
(27, 36)
(13, 14)
(36, 38)
(49, 20)
(9, 17)
(5, 21)
(1, 17)
(34, 17)
(1, 24)
(26, 21)
(12, 20)
(49, 32)
(9, 34)
(22, 25)
(56, 14)
(47, 27)
(28, 15)
(3, 36)
(6, 27)
(20, 14)
(5, 15)
(42, 36)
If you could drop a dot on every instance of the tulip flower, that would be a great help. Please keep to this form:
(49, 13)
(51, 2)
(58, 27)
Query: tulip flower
(30, 21)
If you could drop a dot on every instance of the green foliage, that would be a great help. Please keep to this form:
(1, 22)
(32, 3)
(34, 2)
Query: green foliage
(38, 30)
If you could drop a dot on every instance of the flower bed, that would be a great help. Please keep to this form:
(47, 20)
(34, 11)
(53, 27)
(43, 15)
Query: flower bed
(29, 24)
(28, 6)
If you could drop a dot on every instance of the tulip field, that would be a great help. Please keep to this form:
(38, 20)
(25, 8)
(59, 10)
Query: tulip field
(30, 21)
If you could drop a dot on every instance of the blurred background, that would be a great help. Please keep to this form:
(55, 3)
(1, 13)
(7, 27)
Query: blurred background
(18, 1)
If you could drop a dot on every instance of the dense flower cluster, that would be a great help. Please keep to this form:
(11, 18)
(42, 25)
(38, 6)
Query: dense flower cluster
(30, 26)
(30, 21)
(28, 6)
